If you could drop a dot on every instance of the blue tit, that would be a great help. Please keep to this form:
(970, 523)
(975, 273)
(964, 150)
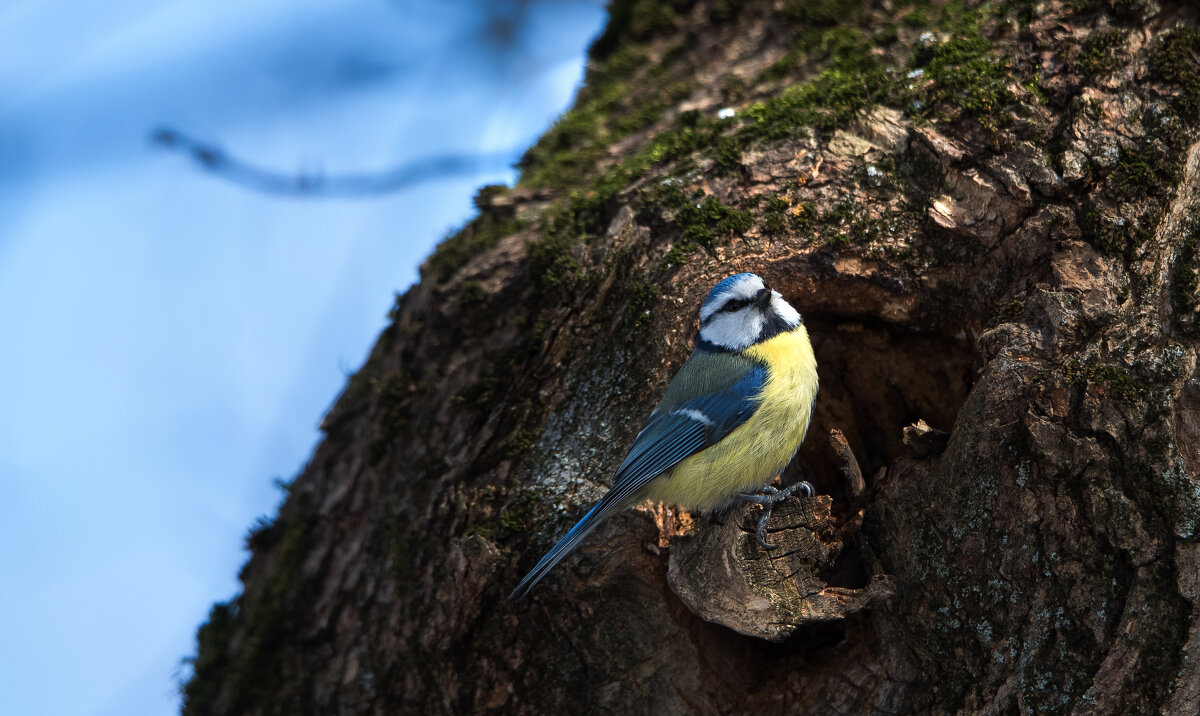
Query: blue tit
(731, 419)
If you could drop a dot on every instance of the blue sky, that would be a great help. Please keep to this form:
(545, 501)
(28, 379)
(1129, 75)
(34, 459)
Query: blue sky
(170, 340)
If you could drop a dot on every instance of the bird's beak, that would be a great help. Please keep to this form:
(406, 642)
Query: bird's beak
(762, 299)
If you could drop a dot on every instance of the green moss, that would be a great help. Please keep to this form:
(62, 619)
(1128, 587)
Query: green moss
(639, 297)
(707, 222)
(779, 215)
(1098, 54)
(775, 215)
(487, 194)
(774, 223)
(624, 92)
(1105, 233)
(251, 674)
(469, 293)
(571, 149)
(643, 114)
(839, 213)
(519, 443)
(726, 155)
(1007, 312)
(485, 530)
(802, 216)
(964, 76)
(853, 80)
(554, 269)
(777, 203)
(394, 411)
(820, 12)
(1141, 171)
(521, 511)
(635, 21)
(1184, 275)
(699, 221)
(1033, 86)
(212, 659)
(1117, 378)
(915, 19)
(258, 537)
(585, 211)
(1175, 59)
(678, 255)
(479, 394)
(887, 35)
(843, 225)
(478, 236)
(512, 521)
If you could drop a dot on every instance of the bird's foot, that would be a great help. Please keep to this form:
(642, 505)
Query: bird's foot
(768, 496)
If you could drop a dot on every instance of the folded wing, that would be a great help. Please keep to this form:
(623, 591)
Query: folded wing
(672, 433)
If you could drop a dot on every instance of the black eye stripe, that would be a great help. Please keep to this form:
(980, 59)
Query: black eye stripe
(730, 306)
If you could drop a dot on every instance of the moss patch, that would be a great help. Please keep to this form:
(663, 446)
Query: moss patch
(555, 270)
(477, 236)
(1185, 276)
(820, 12)
(639, 298)
(1098, 55)
(253, 673)
(1175, 60)
(624, 92)
(698, 220)
(1118, 379)
(854, 79)
(963, 76)
(1140, 172)
(1007, 312)
(394, 411)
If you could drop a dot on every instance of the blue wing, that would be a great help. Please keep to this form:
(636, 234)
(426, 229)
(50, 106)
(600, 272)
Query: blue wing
(668, 437)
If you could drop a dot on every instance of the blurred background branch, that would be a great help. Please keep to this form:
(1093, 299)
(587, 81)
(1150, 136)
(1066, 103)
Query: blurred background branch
(215, 160)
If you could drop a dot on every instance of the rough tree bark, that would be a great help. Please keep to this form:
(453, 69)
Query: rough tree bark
(988, 215)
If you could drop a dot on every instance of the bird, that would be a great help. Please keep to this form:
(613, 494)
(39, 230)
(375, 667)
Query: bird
(731, 419)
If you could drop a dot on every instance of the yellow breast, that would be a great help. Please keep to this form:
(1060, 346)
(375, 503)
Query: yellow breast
(762, 446)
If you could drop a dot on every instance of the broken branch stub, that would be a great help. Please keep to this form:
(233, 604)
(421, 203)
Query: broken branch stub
(725, 577)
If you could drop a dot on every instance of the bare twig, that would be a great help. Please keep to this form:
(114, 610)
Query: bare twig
(855, 484)
(213, 159)
(848, 464)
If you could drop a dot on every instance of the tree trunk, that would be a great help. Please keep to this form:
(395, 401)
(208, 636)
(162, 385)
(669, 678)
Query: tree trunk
(988, 215)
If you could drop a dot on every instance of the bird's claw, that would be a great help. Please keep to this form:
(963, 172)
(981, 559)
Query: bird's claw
(768, 496)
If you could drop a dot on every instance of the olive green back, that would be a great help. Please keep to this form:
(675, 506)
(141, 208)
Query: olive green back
(704, 373)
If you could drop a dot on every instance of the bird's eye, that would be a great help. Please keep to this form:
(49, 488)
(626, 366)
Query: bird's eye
(735, 304)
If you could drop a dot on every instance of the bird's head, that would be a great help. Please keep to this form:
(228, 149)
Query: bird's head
(741, 311)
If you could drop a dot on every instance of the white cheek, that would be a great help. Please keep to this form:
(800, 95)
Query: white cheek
(733, 330)
(784, 310)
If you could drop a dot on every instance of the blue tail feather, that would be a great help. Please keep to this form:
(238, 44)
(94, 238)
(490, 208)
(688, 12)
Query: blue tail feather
(564, 546)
